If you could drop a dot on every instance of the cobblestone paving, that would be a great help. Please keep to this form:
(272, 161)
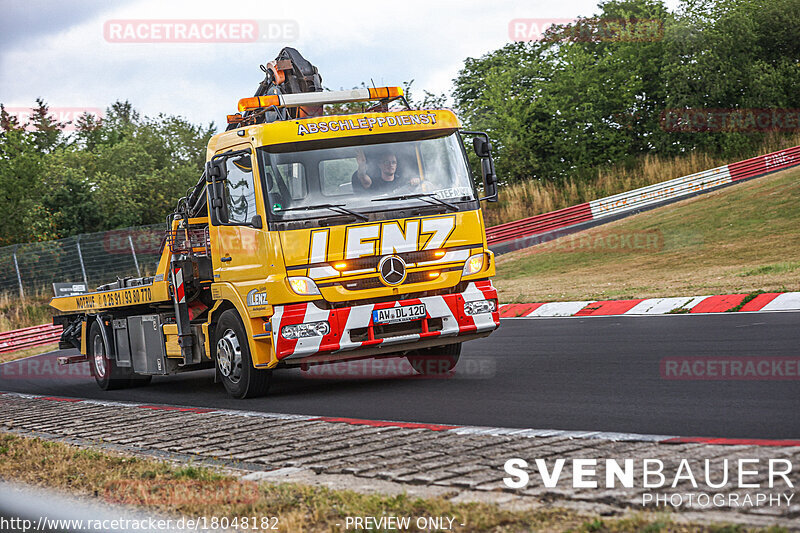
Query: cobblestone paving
(446, 458)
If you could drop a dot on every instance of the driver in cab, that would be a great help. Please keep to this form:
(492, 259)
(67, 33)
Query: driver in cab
(384, 178)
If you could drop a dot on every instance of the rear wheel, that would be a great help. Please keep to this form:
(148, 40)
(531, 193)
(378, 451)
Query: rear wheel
(234, 362)
(104, 369)
(435, 361)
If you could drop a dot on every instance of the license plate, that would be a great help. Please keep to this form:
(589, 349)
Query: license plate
(403, 313)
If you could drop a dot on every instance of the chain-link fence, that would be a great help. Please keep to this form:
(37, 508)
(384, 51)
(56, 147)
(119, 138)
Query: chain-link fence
(90, 258)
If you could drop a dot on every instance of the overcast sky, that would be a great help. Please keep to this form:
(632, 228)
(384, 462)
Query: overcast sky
(57, 49)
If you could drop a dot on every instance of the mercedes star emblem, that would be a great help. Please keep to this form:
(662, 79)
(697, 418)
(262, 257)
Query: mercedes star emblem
(392, 269)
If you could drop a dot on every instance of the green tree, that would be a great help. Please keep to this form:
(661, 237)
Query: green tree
(580, 97)
(70, 204)
(47, 132)
(594, 92)
(731, 54)
(21, 165)
(116, 172)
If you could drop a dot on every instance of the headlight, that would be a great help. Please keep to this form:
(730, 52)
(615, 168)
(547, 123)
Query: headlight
(474, 264)
(480, 306)
(303, 286)
(309, 329)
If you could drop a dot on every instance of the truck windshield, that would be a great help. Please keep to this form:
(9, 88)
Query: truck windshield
(367, 178)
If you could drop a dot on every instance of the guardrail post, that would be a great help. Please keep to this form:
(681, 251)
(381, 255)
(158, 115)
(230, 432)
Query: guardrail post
(80, 257)
(133, 252)
(19, 277)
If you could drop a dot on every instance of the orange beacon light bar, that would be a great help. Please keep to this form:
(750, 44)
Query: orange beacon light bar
(319, 98)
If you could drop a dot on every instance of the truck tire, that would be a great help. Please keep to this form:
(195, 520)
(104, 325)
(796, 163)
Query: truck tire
(233, 360)
(435, 361)
(104, 369)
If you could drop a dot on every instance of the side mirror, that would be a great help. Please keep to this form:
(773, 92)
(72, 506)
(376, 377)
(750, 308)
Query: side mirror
(216, 170)
(216, 173)
(482, 146)
(216, 203)
(256, 222)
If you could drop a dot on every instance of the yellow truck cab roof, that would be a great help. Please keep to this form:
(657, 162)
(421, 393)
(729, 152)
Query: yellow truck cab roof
(322, 130)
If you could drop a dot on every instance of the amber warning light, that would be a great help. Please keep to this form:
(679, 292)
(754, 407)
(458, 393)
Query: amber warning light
(319, 98)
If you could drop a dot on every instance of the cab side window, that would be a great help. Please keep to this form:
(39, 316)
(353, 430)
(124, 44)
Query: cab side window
(240, 192)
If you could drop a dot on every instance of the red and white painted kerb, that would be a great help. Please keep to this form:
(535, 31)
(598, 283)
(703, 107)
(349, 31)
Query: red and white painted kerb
(450, 308)
(768, 301)
(456, 429)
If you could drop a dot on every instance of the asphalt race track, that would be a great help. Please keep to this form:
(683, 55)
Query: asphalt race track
(600, 374)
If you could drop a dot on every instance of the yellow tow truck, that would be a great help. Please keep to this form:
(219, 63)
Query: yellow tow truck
(310, 238)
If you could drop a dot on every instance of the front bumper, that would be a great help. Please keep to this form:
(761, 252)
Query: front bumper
(352, 328)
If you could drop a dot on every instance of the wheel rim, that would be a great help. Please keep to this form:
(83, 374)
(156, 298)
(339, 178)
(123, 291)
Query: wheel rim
(229, 356)
(99, 357)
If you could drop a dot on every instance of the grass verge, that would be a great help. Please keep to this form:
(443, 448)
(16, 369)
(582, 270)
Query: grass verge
(741, 239)
(16, 312)
(28, 352)
(199, 491)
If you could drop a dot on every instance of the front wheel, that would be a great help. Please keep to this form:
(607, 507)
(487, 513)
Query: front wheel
(104, 369)
(234, 363)
(435, 361)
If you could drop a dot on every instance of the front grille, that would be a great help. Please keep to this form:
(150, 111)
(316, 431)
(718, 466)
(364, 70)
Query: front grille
(410, 258)
(374, 282)
(459, 288)
(361, 284)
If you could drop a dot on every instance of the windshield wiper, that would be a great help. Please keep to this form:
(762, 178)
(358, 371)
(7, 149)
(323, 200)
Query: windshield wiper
(337, 208)
(425, 196)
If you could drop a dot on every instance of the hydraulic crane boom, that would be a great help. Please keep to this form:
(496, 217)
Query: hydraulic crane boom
(289, 73)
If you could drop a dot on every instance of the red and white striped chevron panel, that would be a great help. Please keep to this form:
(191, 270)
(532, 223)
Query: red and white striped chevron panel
(450, 308)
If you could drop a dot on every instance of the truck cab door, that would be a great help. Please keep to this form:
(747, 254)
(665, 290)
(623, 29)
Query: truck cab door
(238, 243)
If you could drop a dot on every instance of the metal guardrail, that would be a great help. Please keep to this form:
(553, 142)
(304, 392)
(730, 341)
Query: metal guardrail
(547, 226)
(20, 339)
